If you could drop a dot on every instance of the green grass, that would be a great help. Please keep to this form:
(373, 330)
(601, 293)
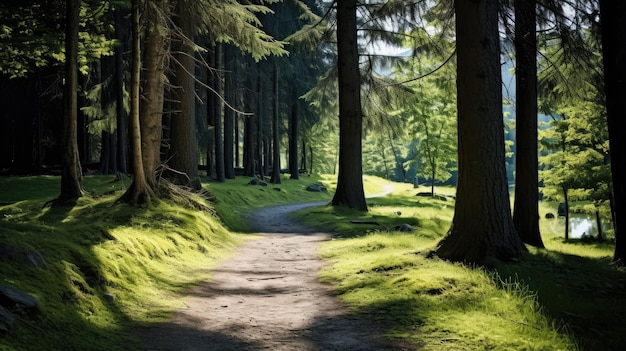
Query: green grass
(112, 267)
(564, 297)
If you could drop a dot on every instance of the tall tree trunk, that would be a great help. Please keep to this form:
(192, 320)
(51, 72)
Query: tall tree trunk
(482, 227)
(121, 32)
(250, 134)
(184, 151)
(211, 81)
(220, 175)
(613, 17)
(151, 108)
(349, 190)
(229, 115)
(293, 140)
(139, 191)
(260, 138)
(71, 172)
(526, 205)
(275, 179)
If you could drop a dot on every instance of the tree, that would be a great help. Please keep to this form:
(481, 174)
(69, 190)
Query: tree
(613, 17)
(275, 178)
(482, 227)
(140, 191)
(183, 154)
(526, 205)
(349, 190)
(71, 171)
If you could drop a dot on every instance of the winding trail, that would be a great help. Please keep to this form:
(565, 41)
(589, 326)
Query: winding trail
(267, 297)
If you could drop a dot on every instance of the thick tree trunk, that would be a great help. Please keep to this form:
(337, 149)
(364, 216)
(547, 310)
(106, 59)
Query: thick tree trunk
(140, 191)
(526, 205)
(349, 190)
(613, 17)
(151, 108)
(183, 158)
(71, 172)
(482, 228)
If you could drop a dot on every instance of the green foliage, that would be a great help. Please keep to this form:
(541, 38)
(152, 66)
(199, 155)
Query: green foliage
(231, 21)
(31, 36)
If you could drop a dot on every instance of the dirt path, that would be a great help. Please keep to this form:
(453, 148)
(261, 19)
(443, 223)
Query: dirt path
(267, 297)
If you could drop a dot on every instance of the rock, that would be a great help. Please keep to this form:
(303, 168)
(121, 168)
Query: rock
(18, 255)
(316, 188)
(404, 227)
(9, 296)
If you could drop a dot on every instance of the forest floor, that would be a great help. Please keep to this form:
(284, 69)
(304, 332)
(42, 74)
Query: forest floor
(267, 297)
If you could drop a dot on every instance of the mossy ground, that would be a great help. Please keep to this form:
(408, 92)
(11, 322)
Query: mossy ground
(112, 267)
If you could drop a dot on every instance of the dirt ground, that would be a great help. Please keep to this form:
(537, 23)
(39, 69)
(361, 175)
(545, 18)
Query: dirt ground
(267, 297)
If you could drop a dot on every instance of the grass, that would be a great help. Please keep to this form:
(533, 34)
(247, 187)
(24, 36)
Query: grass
(564, 297)
(111, 267)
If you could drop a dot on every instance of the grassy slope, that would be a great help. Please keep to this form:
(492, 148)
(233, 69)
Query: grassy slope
(556, 298)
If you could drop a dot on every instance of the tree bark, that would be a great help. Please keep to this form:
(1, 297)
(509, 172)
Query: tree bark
(482, 229)
(526, 205)
(71, 172)
(151, 108)
(139, 191)
(229, 115)
(121, 31)
(220, 174)
(613, 20)
(293, 140)
(275, 179)
(349, 190)
(183, 158)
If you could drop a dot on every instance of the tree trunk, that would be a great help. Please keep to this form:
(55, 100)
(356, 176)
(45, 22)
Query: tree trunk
(482, 229)
(349, 190)
(293, 140)
(220, 174)
(229, 115)
(613, 17)
(121, 31)
(275, 179)
(211, 99)
(526, 205)
(184, 152)
(250, 135)
(151, 108)
(71, 172)
(139, 191)
(260, 134)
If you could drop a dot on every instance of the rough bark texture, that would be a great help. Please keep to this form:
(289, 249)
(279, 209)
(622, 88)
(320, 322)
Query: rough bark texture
(220, 174)
(482, 228)
(139, 191)
(350, 178)
(71, 172)
(526, 206)
(151, 107)
(613, 21)
(183, 156)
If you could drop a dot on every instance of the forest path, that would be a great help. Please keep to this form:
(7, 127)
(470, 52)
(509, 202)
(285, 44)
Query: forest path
(267, 297)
